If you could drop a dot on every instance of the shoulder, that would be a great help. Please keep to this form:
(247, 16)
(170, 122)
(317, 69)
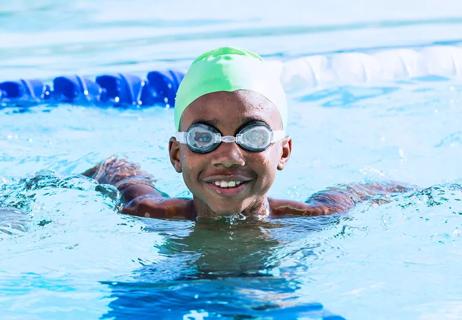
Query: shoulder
(153, 206)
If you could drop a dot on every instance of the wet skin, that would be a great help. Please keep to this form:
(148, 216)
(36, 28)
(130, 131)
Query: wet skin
(254, 172)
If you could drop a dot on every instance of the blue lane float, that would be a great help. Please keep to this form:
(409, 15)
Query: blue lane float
(161, 87)
(118, 89)
(75, 89)
(25, 91)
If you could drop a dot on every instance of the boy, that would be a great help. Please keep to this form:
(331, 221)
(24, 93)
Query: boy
(231, 116)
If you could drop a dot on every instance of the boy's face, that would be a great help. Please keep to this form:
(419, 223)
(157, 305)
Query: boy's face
(253, 172)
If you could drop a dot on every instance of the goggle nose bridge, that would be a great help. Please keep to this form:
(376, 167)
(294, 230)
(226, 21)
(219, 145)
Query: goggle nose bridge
(228, 139)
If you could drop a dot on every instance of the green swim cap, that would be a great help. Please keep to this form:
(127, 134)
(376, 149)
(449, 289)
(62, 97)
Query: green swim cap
(230, 69)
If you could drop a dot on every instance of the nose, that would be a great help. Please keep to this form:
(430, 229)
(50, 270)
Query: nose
(228, 155)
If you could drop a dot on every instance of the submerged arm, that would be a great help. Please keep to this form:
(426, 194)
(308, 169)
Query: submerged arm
(336, 199)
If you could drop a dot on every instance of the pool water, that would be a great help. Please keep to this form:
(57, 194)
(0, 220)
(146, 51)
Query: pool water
(66, 252)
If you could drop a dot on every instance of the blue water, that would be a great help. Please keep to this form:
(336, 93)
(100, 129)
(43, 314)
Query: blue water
(66, 253)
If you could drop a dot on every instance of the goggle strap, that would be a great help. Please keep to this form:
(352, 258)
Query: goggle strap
(278, 135)
(181, 137)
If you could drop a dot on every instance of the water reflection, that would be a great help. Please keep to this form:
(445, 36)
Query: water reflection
(218, 269)
(13, 221)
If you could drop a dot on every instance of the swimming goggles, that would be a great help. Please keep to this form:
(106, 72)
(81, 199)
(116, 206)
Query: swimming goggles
(254, 137)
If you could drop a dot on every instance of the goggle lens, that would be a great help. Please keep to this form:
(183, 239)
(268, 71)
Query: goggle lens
(201, 138)
(255, 138)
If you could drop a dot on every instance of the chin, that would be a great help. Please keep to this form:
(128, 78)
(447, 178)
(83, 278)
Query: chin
(221, 207)
(227, 210)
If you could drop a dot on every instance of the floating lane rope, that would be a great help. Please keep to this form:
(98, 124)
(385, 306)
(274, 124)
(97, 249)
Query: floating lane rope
(121, 89)
(158, 88)
(381, 66)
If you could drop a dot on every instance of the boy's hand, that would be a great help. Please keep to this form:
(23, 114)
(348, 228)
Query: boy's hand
(127, 177)
(113, 170)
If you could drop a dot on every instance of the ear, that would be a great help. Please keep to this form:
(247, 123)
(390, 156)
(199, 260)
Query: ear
(174, 153)
(285, 152)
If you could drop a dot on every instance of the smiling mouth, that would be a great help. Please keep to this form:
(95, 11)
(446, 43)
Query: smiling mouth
(227, 184)
(228, 188)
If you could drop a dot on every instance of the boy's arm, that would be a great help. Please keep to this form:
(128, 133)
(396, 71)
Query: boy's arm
(127, 177)
(139, 195)
(152, 207)
(336, 199)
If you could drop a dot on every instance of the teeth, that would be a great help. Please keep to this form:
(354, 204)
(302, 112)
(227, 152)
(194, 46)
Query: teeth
(227, 184)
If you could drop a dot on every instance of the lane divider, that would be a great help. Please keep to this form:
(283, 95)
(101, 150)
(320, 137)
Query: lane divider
(381, 66)
(158, 88)
(120, 89)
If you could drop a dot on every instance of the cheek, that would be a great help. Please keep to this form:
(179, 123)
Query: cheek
(271, 159)
(187, 166)
(191, 165)
(266, 164)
